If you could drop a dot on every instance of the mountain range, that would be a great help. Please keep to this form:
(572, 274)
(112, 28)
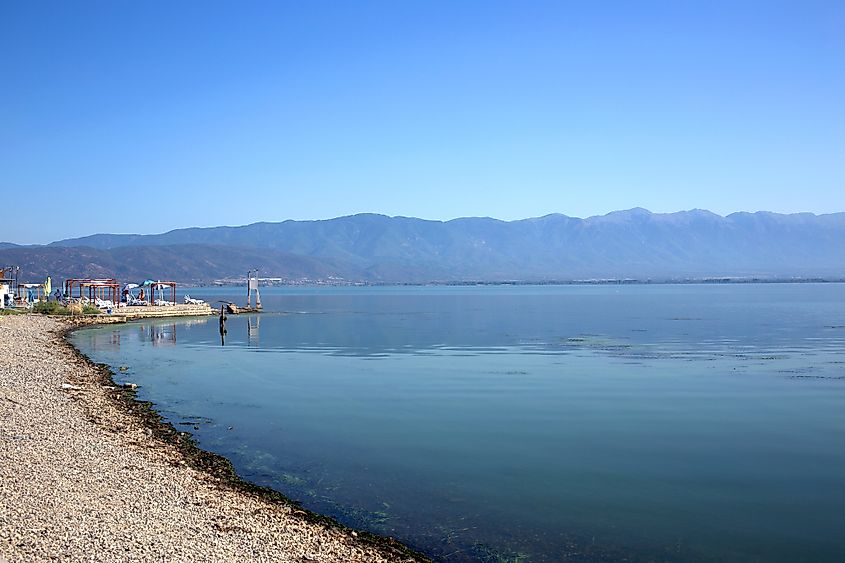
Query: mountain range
(634, 244)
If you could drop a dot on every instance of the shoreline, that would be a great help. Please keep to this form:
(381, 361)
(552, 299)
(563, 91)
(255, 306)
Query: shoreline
(87, 406)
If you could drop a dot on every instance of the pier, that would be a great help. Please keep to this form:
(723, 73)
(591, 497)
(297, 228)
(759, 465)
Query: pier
(153, 311)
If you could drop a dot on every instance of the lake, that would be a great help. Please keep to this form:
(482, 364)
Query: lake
(525, 423)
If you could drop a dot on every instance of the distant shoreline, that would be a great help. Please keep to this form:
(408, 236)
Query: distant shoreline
(603, 281)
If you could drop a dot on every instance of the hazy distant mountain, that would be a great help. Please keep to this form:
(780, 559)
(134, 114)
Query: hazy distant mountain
(625, 244)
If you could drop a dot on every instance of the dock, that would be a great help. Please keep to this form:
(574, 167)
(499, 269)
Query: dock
(124, 314)
(153, 311)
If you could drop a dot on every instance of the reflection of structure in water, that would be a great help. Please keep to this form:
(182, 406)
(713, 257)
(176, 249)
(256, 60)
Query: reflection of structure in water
(223, 324)
(159, 335)
(253, 323)
(189, 322)
(112, 343)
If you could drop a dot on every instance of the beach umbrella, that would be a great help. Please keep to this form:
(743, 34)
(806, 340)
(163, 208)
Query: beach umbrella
(48, 286)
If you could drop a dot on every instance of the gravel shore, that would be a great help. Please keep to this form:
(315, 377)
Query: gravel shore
(83, 478)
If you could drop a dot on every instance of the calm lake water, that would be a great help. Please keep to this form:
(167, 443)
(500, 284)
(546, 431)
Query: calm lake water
(589, 423)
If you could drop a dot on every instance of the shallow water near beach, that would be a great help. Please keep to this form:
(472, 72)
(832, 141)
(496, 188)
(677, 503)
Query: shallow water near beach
(525, 423)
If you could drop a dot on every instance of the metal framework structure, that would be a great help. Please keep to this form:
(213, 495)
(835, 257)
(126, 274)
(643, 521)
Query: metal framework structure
(9, 277)
(12, 274)
(105, 289)
(8, 286)
(252, 285)
(37, 289)
(160, 286)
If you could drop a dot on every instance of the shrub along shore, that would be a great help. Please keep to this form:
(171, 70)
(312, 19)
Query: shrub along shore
(86, 472)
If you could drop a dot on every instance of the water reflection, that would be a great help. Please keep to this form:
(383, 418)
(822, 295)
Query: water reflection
(559, 320)
(542, 427)
(159, 334)
(252, 325)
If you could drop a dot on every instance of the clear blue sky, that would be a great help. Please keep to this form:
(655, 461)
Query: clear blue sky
(120, 116)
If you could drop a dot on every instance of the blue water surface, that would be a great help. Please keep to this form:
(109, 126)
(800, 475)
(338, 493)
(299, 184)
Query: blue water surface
(525, 423)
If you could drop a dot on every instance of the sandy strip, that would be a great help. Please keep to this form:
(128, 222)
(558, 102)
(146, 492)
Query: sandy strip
(83, 479)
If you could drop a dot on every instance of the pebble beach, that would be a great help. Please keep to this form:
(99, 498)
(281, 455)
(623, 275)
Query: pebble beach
(83, 477)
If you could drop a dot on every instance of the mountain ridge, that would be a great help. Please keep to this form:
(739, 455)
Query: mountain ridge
(134, 237)
(633, 243)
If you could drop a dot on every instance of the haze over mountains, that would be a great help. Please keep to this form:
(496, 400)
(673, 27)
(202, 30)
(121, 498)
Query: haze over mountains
(634, 244)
